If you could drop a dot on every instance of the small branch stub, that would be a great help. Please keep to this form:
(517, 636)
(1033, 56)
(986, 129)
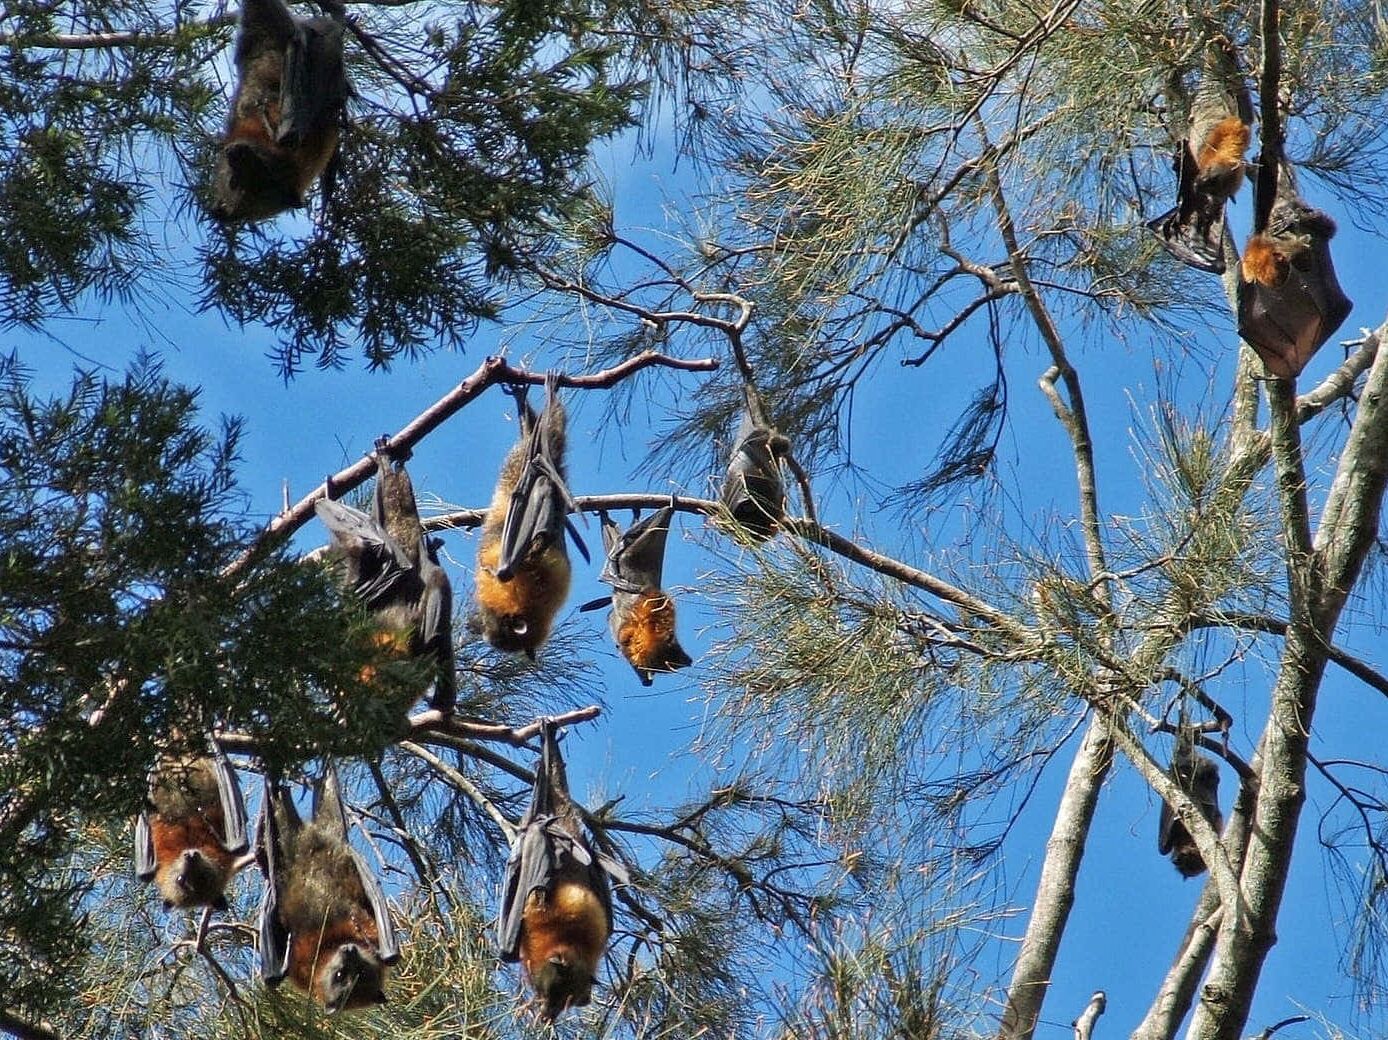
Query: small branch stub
(1084, 1025)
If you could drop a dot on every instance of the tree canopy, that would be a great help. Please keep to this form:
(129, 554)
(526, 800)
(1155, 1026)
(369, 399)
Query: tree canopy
(1051, 526)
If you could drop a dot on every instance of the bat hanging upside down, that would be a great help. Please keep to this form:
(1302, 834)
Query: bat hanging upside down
(1198, 776)
(643, 614)
(324, 922)
(523, 570)
(287, 113)
(556, 906)
(1209, 164)
(393, 566)
(1289, 299)
(192, 830)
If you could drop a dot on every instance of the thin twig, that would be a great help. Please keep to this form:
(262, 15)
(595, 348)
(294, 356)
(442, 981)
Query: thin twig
(464, 785)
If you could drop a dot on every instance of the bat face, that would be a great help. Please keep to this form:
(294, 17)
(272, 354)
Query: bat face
(285, 116)
(192, 832)
(352, 977)
(644, 628)
(193, 878)
(324, 923)
(565, 933)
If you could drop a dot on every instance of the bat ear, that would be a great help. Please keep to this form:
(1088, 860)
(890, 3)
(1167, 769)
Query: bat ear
(220, 904)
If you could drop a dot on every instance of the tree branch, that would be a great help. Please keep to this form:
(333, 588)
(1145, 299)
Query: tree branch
(492, 371)
(23, 1029)
(1084, 1025)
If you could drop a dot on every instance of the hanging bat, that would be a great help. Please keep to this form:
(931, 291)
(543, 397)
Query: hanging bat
(556, 906)
(286, 115)
(523, 567)
(1198, 776)
(1208, 163)
(393, 566)
(324, 923)
(642, 620)
(753, 489)
(1289, 300)
(192, 830)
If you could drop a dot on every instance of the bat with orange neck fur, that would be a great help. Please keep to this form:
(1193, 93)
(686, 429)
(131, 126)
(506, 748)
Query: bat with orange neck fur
(287, 113)
(193, 829)
(523, 571)
(643, 614)
(556, 904)
(324, 923)
(1209, 163)
(393, 567)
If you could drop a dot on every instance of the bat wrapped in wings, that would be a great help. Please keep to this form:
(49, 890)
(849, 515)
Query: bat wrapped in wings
(642, 620)
(523, 571)
(393, 566)
(1289, 300)
(1208, 163)
(286, 116)
(192, 830)
(1197, 776)
(324, 923)
(754, 490)
(556, 905)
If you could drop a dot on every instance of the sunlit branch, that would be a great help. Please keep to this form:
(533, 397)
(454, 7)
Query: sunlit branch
(1084, 1025)
(493, 371)
(1276, 626)
(800, 527)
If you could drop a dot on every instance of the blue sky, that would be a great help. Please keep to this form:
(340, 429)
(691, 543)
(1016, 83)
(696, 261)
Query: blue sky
(1132, 905)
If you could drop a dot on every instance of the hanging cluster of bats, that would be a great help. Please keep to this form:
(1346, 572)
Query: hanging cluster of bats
(323, 918)
(1289, 300)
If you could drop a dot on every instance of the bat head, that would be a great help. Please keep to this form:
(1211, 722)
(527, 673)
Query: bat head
(1185, 857)
(254, 181)
(510, 633)
(353, 977)
(561, 983)
(193, 878)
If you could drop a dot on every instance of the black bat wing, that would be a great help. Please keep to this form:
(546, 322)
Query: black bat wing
(314, 85)
(529, 866)
(1193, 230)
(1287, 324)
(386, 945)
(234, 836)
(636, 558)
(275, 940)
(436, 624)
(377, 564)
(1165, 832)
(753, 490)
